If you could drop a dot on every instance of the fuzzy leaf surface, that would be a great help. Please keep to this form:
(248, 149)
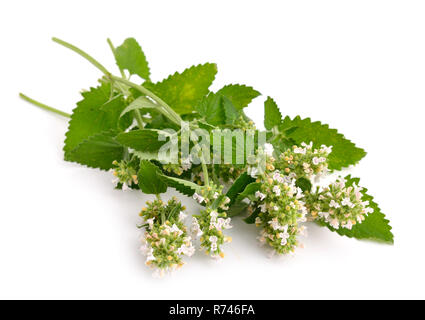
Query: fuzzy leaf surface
(181, 91)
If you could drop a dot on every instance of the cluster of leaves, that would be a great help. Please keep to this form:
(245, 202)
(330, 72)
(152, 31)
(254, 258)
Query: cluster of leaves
(119, 120)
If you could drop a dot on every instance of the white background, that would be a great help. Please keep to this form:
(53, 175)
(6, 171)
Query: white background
(357, 65)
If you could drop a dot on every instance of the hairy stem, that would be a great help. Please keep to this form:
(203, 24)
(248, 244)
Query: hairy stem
(137, 114)
(43, 106)
(172, 115)
(85, 55)
(113, 52)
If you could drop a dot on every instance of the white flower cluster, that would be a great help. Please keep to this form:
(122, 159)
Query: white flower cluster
(165, 242)
(124, 174)
(212, 221)
(339, 204)
(183, 165)
(281, 212)
(304, 161)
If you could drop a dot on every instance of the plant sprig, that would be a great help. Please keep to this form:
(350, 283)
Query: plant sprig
(118, 126)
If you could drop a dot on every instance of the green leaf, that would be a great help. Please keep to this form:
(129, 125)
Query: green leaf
(375, 227)
(344, 152)
(144, 140)
(237, 209)
(150, 178)
(272, 115)
(211, 109)
(130, 56)
(249, 190)
(238, 186)
(239, 95)
(98, 151)
(139, 103)
(185, 187)
(181, 91)
(153, 155)
(230, 111)
(304, 184)
(251, 218)
(94, 114)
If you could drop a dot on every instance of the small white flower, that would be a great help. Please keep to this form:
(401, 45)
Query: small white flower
(198, 197)
(278, 177)
(346, 202)
(115, 181)
(213, 215)
(268, 149)
(348, 225)
(334, 223)
(125, 187)
(213, 239)
(334, 204)
(324, 215)
(186, 164)
(182, 216)
(258, 220)
(300, 150)
(196, 230)
(307, 146)
(326, 149)
(215, 196)
(276, 190)
(316, 161)
(186, 250)
(253, 171)
(275, 224)
(174, 228)
(368, 210)
(260, 195)
(150, 222)
(263, 207)
(149, 255)
(226, 223)
(214, 247)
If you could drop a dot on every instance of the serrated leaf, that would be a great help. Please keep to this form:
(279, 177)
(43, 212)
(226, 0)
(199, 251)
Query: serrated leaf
(181, 91)
(344, 152)
(249, 190)
(237, 209)
(230, 111)
(139, 103)
(375, 227)
(94, 114)
(144, 140)
(238, 186)
(98, 151)
(304, 184)
(150, 178)
(239, 95)
(272, 115)
(185, 187)
(146, 155)
(211, 109)
(130, 56)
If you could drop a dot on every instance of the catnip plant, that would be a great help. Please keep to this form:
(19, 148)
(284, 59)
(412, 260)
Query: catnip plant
(154, 135)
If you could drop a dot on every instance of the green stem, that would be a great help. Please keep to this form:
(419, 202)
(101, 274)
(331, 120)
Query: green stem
(173, 116)
(85, 55)
(43, 106)
(111, 45)
(205, 171)
(139, 119)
